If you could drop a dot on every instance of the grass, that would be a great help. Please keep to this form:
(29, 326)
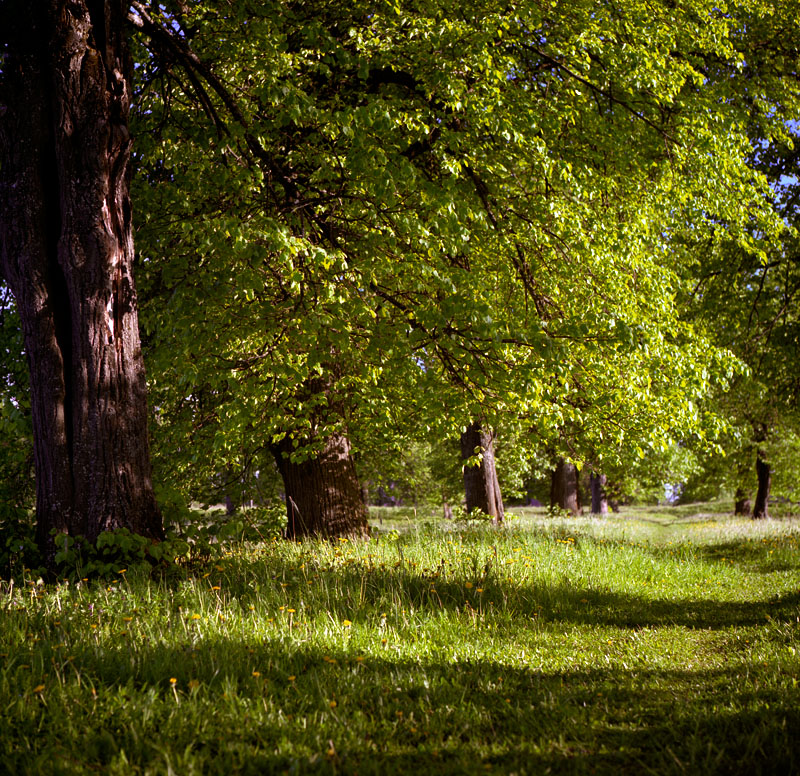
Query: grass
(658, 641)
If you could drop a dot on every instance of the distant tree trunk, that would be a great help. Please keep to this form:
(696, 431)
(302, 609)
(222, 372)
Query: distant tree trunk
(564, 491)
(66, 252)
(741, 504)
(599, 499)
(323, 494)
(481, 486)
(764, 474)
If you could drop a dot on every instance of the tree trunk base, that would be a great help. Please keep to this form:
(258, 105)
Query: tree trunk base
(323, 495)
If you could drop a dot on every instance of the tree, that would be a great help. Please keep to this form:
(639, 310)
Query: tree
(746, 282)
(599, 495)
(564, 490)
(429, 212)
(481, 486)
(65, 252)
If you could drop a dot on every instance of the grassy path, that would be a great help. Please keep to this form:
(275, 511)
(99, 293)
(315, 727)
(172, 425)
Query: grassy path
(655, 642)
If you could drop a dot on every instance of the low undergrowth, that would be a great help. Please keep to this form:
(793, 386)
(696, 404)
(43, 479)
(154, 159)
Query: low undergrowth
(632, 644)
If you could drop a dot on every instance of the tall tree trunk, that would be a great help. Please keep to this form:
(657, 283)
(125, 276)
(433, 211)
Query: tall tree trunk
(564, 487)
(66, 252)
(323, 495)
(764, 474)
(599, 498)
(481, 486)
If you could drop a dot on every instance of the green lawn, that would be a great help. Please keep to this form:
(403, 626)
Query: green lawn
(655, 641)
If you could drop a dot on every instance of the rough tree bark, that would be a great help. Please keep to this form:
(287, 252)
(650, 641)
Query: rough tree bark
(481, 486)
(599, 498)
(741, 504)
(764, 474)
(564, 487)
(323, 494)
(66, 251)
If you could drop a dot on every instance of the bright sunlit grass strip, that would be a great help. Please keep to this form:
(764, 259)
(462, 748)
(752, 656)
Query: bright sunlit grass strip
(581, 645)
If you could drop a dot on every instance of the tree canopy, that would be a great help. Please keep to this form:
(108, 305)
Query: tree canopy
(391, 219)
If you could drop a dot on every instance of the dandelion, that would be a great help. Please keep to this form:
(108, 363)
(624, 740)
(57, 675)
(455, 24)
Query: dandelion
(122, 571)
(38, 688)
(478, 589)
(468, 585)
(173, 681)
(216, 587)
(333, 704)
(346, 623)
(256, 673)
(195, 616)
(292, 678)
(127, 619)
(290, 611)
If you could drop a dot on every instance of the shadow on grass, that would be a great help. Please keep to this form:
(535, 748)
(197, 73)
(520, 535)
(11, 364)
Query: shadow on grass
(395, 716)
(361, 587)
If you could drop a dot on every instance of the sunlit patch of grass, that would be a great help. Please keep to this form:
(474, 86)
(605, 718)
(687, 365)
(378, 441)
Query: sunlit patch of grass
(579, 645)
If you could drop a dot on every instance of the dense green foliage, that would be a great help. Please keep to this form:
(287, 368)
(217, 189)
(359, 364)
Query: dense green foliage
(404, 219)
(662, 641)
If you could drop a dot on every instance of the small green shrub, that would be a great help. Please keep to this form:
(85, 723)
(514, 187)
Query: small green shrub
(18, 548)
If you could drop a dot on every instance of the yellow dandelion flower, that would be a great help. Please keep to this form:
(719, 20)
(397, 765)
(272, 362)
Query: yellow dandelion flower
(292, 678)
(346, 623)
(195, 616)
(216, 587)
(173, 680)
(333, 704)
(290, 611)
(127, 619)
(256, 673)
(468, 585)
(478, 589)
(38, 688)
